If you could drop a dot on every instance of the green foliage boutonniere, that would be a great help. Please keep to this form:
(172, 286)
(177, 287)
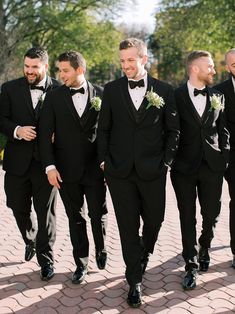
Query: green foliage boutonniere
(217, 102)
(154, 99)
(95, 103)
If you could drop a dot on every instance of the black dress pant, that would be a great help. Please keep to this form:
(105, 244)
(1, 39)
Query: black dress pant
(133, 198)
(230, 177)
(207, 186)
(21, 192)
(72, 195)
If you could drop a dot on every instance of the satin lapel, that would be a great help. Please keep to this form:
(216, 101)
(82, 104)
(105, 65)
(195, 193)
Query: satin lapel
(27, 96)
(69, 103)
(48, 85)
(189, 105)
(144, 104)
(127, 101)
(88, 112)
(207, 110)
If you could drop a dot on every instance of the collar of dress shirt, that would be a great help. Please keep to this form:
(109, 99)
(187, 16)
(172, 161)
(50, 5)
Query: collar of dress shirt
(84, 85)
(42, 82)
(191, 89)
(142, 78)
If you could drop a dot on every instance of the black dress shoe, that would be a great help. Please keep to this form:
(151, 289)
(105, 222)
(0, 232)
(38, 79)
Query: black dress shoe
(79, 274)
(47, 272)
(144, 261)
(233, 261)
(203, 259)
(29, 252)
(134, 296)
(101, 259)
(189, 282)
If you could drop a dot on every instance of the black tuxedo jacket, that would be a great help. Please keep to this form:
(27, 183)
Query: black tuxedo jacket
(74, 152)
(227, 89)
(146, 140)
(16, 108)
(203, 137)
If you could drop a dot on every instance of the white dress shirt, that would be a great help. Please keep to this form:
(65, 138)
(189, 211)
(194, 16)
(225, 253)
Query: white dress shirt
(80, 100)
(35, 95)
(198, 101)
(138, 93)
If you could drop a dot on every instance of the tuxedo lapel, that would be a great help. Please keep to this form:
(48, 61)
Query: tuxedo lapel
(143, 107)
(69, 103)
(88, 110)
(27, 96)
(207, 110)
(127, 101)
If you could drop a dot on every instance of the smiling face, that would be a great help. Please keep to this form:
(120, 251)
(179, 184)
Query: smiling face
(132, 63)
(71, 77)
(204, 70)
(34, 70)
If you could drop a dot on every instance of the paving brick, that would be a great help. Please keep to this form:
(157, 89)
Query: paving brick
(22, 291)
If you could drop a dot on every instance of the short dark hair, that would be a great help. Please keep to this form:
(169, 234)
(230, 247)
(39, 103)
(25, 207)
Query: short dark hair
(134, 42)
(37, 52)
(196, 54)
(75, 58)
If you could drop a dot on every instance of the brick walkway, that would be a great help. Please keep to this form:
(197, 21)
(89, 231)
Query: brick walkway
(22, 292)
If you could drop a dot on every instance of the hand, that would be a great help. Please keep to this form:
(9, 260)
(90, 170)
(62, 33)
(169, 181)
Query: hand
(54, 178)
(27, 133)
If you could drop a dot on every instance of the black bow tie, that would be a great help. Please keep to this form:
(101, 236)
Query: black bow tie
(134, 84)
(38, 87)
(75, 91)
(200, 91)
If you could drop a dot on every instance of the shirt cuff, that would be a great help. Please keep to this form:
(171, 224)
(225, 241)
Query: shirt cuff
(50, 167)
(15, 131)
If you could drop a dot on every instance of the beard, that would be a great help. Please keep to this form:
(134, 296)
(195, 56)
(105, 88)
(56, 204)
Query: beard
(34, 80)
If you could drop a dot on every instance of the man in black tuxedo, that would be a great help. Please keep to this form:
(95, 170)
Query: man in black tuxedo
(137, 140)
(25, 180)
(200, 161)
(228, 89)
(71, 113)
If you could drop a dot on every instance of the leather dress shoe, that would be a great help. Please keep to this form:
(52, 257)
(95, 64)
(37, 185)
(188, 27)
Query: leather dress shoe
(189, 282)
(203, 259)
(101, 259)
(47, 272)
(29, 252)
(79, 274)
(144, 261)
(233, 261)
(134, 296)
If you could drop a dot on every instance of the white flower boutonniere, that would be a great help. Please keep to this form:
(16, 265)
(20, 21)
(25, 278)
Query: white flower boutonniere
(42, 97)
(217, 102)
(95, 103)
(154, 99)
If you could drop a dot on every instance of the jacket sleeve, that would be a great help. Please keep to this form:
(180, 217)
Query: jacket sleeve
(46, 130)
(104, 126)
(172, 128)
(7, 126)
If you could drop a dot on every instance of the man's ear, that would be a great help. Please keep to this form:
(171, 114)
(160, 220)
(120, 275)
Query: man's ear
(144, 59)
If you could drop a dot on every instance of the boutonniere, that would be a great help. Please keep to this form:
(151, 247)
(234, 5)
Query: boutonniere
(217, 102)
(154, 99)
(42, 97)
(95, 103)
